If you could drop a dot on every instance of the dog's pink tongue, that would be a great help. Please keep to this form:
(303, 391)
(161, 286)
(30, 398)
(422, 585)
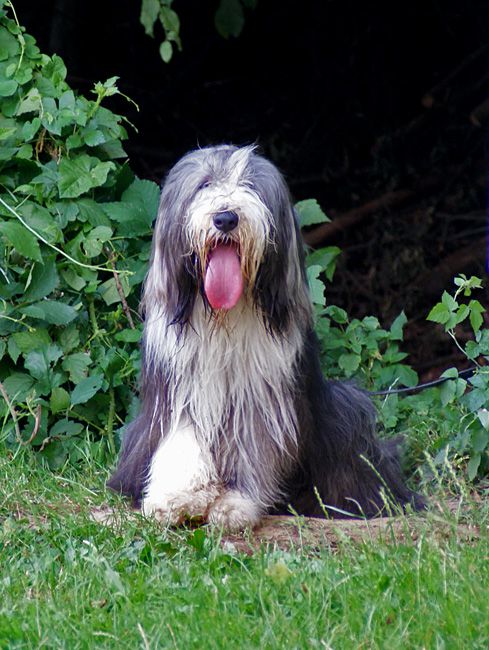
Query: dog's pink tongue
(223, 284)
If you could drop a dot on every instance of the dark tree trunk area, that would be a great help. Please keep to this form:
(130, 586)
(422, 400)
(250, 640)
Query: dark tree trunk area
(377, 109)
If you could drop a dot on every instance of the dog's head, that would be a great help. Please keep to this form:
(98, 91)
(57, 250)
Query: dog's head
(226, 231)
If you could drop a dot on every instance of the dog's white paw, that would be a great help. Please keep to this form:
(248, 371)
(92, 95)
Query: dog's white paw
(233, 511)
(173, 509)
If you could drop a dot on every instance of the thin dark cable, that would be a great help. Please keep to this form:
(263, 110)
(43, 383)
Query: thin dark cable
(468, 372)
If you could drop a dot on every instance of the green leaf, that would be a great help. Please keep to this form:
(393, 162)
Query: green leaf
(447, 392)
(69, 338)
(310, 213)
(51, 311)
(449, 301)
(476, 311)
(95, 240)
(109, 292)
(28, 341)
(229, 18)
(13, 349)
(316, 287)
(24, 242)
(68, 427)
(86, 389)
(77, 365)
(18, 386)
(78, 175)
(337, 314)
(144, 193)
(44, 280)
(473, 466)
(149, 14)
(166, 51)
(483, 415)
(72, 279)
(59, 400)
(439, 314)
(128, 336)
(38, 362)
(397, 327)
(349, 363)
(8, 87)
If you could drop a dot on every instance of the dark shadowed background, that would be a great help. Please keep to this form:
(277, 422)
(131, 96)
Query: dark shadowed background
(377, 109)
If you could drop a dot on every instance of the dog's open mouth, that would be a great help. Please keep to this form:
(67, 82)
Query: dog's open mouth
(223, 282)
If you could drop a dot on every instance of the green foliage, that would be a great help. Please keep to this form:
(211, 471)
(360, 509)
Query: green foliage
(153, 11)
(229, 20)
(471, 437)
(75, 228)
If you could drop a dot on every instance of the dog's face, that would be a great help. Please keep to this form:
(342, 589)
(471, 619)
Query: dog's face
(225, 231)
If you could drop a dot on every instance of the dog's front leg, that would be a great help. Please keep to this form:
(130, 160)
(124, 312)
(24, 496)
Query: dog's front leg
(182, 481)
(234, 511)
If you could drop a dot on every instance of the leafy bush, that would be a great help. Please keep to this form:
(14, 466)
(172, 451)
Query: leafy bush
(74, 243)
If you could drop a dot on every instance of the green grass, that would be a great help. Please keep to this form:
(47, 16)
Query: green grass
(68, 582)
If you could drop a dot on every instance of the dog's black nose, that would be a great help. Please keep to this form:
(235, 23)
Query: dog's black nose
(226, 221)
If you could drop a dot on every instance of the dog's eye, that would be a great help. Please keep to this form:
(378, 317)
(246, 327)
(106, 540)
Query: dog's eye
(204, 184)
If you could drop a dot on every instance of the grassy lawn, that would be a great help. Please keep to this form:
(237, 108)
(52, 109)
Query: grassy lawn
(68, 582)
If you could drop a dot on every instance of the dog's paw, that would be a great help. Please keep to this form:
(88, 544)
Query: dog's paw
(233, 511)
(173, 509)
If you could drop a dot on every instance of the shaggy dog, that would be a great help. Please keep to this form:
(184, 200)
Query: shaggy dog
(236, 418)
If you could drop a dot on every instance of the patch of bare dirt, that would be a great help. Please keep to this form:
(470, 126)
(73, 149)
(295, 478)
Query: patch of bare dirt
(310, 533)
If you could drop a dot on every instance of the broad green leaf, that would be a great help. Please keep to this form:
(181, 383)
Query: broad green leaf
(447, 392)
(59, 400)
(41, 220)
(397, 327)
(72, 279)
(166, 51)
(18, 386)
(128, 336)
(146, 193)
(51, 311)
(86, 389)
(449, 301)
(473, 466)
(310, 213)
(439, 314)
(149, 14)
(24, 242)
(229, 18)
(95, 240)
(68, 427)
(8, 87)
(109, 292)
(13, 349)
(38, 362)
(349, 363)
(80, 174)
(316, 287)
(44, 280)
(483, 416)
(77, 365)
(69, 338)
(337, 314)
(476, 311)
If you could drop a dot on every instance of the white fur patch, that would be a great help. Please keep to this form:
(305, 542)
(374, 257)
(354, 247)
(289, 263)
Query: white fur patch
(181, 480)
(233, 511)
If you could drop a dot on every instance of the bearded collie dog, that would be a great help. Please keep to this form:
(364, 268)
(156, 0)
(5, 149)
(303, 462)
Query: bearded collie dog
(236, 417)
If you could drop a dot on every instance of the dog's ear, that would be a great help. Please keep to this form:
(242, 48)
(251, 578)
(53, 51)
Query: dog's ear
(173, 275)
(281, 286)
